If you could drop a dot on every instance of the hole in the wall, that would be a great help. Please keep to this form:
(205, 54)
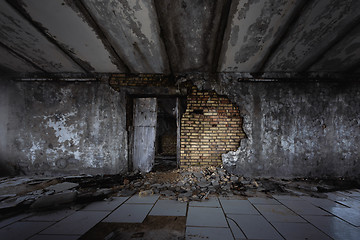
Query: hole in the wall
(218, 130)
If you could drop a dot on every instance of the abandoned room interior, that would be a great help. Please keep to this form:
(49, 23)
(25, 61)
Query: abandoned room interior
(179, 119)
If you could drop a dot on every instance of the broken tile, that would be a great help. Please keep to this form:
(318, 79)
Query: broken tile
(169, 208)
(206, 217)
(77, 223)
(278, 213)
(55, 237)
(335, 227)
(51, 216)
(260, 200)
(136, 199)
(336, 197)
(303, 207)
(249, 224)
(348, 214)
(60, 187)
(11, 220)
(54, 200)
(211, 202)
(5, 196)
(238, 207)
(351, 203)
(106, 205)
(200, 233)
(23, 230)
(129, 213)
(237, 232)
(9, 203)
(299, 231)
(351, 193)
(322, 202)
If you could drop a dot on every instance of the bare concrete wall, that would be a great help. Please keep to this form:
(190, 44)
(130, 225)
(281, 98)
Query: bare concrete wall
(296, 129)
(61, 127)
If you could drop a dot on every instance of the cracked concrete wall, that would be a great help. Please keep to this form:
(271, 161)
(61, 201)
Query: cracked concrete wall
(61, 127)
(298, 129)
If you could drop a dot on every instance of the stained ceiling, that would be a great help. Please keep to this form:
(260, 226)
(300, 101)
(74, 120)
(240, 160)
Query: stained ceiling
(179, 36)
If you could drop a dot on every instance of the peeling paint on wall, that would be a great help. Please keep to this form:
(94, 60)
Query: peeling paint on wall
(295, 129)
(67, 127)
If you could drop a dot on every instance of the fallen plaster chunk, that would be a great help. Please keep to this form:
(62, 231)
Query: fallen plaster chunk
(62, 187)
(230, 159)
(54, 200)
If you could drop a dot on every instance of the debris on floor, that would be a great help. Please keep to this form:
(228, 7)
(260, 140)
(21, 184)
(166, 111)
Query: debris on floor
(188, 184)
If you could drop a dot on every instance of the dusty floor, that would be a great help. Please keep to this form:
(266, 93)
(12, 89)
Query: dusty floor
(153, 227)
(24, 197)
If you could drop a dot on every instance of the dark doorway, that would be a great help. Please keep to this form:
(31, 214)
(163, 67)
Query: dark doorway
(166, 135)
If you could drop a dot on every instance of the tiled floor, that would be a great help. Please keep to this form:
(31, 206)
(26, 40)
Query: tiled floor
(280, 217)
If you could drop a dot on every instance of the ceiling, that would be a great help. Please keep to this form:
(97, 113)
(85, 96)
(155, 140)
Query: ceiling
(179, 36)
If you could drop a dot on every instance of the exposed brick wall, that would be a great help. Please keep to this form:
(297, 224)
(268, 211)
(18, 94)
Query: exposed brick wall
(138, 80)
(210, 127)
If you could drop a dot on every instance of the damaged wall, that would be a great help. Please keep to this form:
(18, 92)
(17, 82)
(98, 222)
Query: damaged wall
(296, 128)
(63, 127)
(210, 126)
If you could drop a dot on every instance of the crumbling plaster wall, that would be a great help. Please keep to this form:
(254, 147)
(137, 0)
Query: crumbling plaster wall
(63, 127)
(295, 129)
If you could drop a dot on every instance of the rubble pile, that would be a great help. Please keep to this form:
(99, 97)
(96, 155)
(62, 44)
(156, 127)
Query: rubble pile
(194, 184)
(190, 184)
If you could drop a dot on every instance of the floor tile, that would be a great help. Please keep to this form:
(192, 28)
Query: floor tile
(143, 200)
(108, 205)
(55, 237)
(212, 202)
(11, 220)
(238, 207)
(348, 214)
(200, 233)
(169, 208)
(206, 217)
(324, 203)
(249, 224)
(303, 207)
(286, 197)
(335, 227)
(336, 197)
(77, 223)
(278, 213)
(351, 193)
(259, 200)
(22, 230)
(53, 216)
(236, 230)
(129, 213)
(351, 202)
(299, 231)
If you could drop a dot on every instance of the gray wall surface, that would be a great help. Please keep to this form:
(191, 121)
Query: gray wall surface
(61, 127)
(299, 129)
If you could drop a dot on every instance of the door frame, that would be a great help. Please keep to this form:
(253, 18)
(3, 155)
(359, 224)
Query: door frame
(130, 126)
